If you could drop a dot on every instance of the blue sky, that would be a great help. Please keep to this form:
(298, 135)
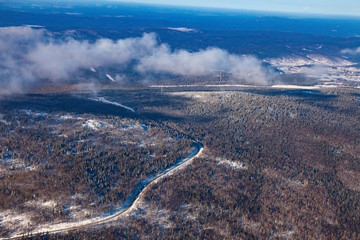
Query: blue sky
(327, 7)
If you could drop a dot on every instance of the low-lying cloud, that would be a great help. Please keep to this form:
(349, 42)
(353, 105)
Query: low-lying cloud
(183, 62)
(28, 55)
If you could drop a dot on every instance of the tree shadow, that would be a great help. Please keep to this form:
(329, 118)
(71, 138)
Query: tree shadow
(308, 94)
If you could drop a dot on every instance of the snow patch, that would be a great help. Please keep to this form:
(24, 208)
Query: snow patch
(182, 29)
(30, 113)
(153, 214)
(77, 212)
(93, 124)
(310, 59)
(31, 168)
(232, 164)
(34, 26)
(14, 164)
(41, 114)
(5, 122)
(66, 117)
(10, 219)
(295, 86)
(69, 117)
(318, 66)
(144, 127)
(48, 204)
(26, 111)
(109, 77)
(42, 204)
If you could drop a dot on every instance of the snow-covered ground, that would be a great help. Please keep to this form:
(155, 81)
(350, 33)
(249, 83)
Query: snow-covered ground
(66, 117)
(296, 183)
(232, 164)
(182, 29)
(10, 219)
(64, 124)
(310, 59)
(26, 111)
(16, 164)
(33, 113)
(296, 87)
(155, 215)
(198, 85)
(127, 208)
(109, 77)
(318, 66)
(5, 122)
(93, 124)
(42, 204)
(319, 86)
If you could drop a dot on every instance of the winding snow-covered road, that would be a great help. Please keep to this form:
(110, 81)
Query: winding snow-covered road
(129, 205)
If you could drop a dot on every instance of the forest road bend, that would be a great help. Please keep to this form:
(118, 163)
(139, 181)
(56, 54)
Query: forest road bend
(178, 166)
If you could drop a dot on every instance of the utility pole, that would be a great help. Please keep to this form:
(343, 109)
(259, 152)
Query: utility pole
(219, 77)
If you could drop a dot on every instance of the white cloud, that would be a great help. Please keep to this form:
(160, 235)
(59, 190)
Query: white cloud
(58, 61)
(28, 54)
(203, 62)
